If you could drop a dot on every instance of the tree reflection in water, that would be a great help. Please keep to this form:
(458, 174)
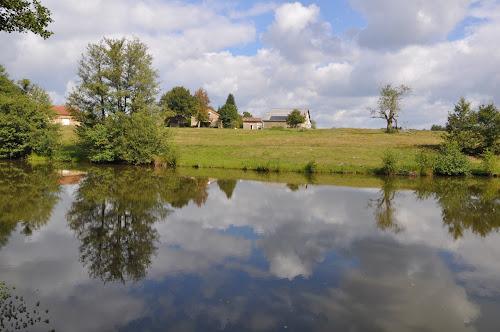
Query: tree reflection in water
(466, 204)
(28, 195)
(385, 207)
(114, 213)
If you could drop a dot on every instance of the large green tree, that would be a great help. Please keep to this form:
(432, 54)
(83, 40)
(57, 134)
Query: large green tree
(23, 16)
(229, 115)
(474, 131)
(25, 120)
(178, 101)
(116, 75)
(389, 105)
(230, 100)
(115, 101)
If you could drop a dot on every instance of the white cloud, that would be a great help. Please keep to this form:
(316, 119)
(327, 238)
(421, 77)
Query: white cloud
(301, 61)
(400, 23)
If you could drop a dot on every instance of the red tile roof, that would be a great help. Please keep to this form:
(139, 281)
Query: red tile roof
(252, 119)
(61, 110)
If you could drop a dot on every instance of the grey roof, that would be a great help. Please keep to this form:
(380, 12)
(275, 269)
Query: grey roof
(280, 114)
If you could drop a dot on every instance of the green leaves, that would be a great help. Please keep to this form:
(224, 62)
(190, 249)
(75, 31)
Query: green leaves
(474, 131)
(23, 16)
(295, 118)
(25, 115)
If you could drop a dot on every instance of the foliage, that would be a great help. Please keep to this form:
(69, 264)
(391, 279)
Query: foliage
(488, 127)
(16, 312)
(389, 104)
(451, 161)
(229, 116)
(116, 75)
(436, 127)
(488, 164)
(247, 114)
(313, 124)
(295, 118)
(115, 101)
(310, 167)
(134, 139)
(201, 105)
(460, 127)
(474, 131)
(23, 16)
(179, 101)
(25, 120)
(390, 160)
(230, 100)
(426, 161)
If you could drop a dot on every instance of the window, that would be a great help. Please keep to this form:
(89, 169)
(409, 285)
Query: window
(65, 122)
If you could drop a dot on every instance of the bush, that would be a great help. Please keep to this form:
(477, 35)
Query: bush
(488, 164)
(426, 161)
(310, 167)
(390, 162)
(133, 139)
(451, 161)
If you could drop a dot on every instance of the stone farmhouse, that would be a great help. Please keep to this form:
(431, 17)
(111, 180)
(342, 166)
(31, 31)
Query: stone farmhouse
(213, 120)
(276, 117)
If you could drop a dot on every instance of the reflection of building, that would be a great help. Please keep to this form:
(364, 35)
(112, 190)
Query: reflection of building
(252, 123)
(213, 120)
(63, 116)
(69, 177)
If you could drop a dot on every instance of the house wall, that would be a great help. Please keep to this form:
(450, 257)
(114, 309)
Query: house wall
(66, 120)
(256, 125)
(270, 124)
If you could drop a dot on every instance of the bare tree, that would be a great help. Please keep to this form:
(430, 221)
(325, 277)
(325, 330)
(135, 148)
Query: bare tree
(389, 104)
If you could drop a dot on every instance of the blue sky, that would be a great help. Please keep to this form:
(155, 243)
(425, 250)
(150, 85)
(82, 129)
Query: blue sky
(328, 56)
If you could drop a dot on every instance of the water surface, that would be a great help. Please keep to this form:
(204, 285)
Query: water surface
(138, 249)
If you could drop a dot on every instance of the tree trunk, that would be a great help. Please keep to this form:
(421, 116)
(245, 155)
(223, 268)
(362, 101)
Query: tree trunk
(389, 125)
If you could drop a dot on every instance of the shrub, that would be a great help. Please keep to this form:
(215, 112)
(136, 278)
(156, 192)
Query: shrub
(390, 161)
(133, 139)
(488, 164)
(426, 161)
(310, 167)
(451, 161)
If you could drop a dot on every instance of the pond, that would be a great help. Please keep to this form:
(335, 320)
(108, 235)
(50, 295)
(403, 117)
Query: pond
(141, 249)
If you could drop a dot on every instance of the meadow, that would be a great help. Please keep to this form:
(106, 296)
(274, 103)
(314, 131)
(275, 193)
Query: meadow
(323, 150)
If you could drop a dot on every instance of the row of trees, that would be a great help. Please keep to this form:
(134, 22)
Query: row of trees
(180, 102)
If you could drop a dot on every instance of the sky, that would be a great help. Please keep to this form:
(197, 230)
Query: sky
(328, 56)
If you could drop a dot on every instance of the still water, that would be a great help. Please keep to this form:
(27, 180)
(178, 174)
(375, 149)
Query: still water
(138, 249)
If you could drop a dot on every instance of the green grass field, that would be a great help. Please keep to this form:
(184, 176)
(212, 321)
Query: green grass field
(345, 151)
(332, 150)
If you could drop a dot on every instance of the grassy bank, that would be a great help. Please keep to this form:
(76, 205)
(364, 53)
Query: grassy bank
(331, 150)
(322, 150)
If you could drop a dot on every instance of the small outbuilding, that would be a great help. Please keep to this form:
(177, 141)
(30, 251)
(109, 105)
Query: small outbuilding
(252, 123)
